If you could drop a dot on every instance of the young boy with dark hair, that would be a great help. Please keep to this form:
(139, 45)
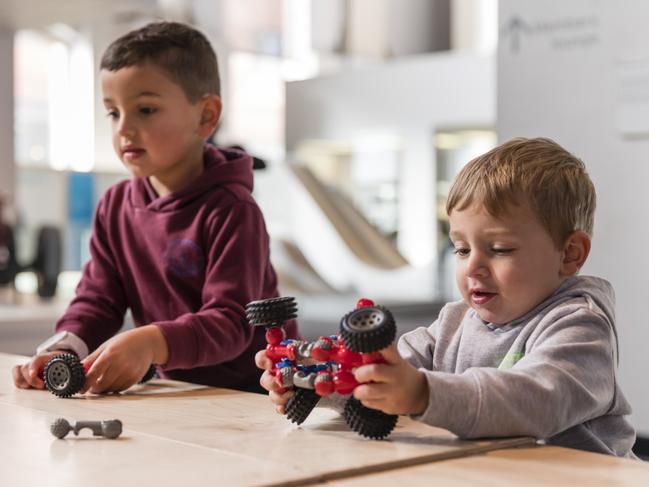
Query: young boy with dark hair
(183, 244)
(532, 348)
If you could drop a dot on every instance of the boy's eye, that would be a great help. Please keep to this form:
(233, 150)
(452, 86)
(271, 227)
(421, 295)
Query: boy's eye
(147, 110)
(112, 114)
(501, 250)
(461, 251)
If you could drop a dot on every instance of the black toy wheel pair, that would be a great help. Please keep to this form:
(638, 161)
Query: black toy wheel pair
(363, 330)
(367, 422)
(64, 375)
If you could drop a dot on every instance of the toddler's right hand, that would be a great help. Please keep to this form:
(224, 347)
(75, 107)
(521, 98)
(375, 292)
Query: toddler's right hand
(29, 375)
(278, 395)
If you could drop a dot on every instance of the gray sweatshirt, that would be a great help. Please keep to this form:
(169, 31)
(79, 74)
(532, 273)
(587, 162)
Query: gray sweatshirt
(549, 374)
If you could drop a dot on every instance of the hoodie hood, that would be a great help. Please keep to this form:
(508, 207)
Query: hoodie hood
(222, 167)
(597, 291)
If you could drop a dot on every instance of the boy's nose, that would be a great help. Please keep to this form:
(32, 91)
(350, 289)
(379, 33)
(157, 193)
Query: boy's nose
(476, 265)
(125, 128)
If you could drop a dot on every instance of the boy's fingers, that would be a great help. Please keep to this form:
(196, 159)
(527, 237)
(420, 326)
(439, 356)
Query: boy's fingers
(280, 399)
(371, 392)
(262, 361)
(96, 378)
(19, 379)
(34, 379)
(92, 358)
(269, 382)
(391, 355)
(120, 383)
(374, 373)
(35, 369)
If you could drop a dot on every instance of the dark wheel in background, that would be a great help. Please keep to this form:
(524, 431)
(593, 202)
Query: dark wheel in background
(367, 422)
(8, 265)
(48, 262)
(367, 330)
(64, 375)
(301, 404)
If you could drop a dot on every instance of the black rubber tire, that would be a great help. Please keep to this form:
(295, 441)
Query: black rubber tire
(64, 375)
(8, 265)
(301, 404)
(60, 428)
(48, 262)
(150, 374)
(367, 330)
(271, 312)
(370, 423)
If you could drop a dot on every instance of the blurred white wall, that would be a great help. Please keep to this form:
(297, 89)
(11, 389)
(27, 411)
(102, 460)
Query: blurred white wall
(578, 72)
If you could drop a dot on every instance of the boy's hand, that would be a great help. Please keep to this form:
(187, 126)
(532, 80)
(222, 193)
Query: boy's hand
(29, 375)
(124, 359)
(396, 388)
(277, 394)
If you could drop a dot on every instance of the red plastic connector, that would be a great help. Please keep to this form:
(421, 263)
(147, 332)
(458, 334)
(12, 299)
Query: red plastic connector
(364, 303)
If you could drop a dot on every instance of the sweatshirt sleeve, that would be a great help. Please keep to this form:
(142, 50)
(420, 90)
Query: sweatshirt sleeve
(418, 346)
(565, 378)
(97, 311)
(237, 272)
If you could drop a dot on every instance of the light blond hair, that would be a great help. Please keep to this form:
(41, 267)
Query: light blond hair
(540, 171)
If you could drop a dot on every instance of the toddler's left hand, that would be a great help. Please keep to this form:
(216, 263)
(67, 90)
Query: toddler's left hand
(396, 388)
(123, 360)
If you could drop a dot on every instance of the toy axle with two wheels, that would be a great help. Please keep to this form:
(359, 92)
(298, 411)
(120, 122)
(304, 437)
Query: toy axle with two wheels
(64, 375)
(111, 428)
(363, 332)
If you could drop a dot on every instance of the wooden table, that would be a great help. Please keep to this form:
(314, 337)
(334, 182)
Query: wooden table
(536, 466)
(179, 434)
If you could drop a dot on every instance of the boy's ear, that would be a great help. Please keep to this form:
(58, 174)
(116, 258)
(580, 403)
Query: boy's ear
(210, 114)
(575, 252)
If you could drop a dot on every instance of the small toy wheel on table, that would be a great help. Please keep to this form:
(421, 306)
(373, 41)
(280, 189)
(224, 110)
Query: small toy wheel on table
(64, 375)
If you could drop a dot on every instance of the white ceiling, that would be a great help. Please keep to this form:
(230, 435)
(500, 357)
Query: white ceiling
(22, 14)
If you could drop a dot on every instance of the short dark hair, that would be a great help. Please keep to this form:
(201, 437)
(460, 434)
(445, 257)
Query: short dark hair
(180, 50)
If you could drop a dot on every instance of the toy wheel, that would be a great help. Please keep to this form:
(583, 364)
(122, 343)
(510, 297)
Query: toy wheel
(111, 428)
(64, 375)
(8, 265)
(271, 312)
(150, 374)
(301, 404)
(367, 422)
(48, 260)
(366, 330)
(60, 427)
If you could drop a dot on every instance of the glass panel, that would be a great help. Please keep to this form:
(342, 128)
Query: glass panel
(31, 100)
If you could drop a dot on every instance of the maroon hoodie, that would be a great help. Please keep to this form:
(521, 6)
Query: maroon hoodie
(187, 262)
